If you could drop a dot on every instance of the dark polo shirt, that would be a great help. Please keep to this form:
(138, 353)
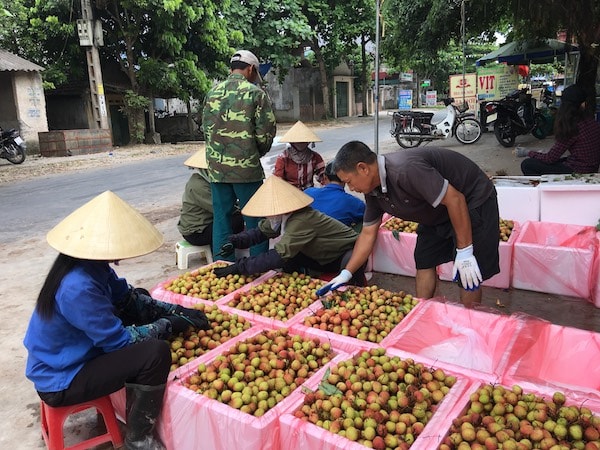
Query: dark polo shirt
(414, 182)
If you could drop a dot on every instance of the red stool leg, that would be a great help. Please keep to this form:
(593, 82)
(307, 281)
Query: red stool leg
(53, 419)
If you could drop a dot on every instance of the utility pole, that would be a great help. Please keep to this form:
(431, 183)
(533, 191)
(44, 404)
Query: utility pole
(90, 37)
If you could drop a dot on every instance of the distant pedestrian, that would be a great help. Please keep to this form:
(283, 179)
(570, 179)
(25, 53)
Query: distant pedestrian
(299, 165)
(334, 201)
(576, 132)
(239, 127)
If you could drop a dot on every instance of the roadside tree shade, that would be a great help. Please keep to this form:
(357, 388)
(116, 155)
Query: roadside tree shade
(524, 53)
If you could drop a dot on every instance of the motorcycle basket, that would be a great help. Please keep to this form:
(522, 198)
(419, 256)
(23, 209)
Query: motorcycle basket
(412, 118)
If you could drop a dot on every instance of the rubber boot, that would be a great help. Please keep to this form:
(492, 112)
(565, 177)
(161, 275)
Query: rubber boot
(143, 406)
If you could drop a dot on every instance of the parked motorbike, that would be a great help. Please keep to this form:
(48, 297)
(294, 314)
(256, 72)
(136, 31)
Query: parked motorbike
(516, 114)
(12, 146)
(410, 128)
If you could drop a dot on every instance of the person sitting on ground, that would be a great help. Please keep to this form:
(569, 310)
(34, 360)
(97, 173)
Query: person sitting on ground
(575, 131)
(196, 219)
(334, 201)
(92, 333)
(298, 164)
(309, 240)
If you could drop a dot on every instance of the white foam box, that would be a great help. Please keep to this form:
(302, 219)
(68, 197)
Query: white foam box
(195, 421)
(555, 258)
(577, 204)
(470, 341)
(501, 280)
(518, 200)
(393, 254)
(299, 434)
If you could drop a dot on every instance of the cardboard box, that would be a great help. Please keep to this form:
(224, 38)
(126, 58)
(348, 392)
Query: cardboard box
(555, 258)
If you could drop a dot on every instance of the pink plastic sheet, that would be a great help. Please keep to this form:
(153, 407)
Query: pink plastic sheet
(461, 338)
(299, 434)
(555, 258)
(561, 358)
(198, 422)
(394, 252)
(501, 280)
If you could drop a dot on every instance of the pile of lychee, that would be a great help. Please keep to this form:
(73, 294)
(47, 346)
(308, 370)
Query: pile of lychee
(203, 283)
(506, 227)
(280, 297)
(192, 343)
(258, 373)
(400, 225)
(377, 400)
(509, 418)
(366, 313)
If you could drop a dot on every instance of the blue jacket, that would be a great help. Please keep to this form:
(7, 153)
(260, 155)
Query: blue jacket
(84, 326)
(335, 202)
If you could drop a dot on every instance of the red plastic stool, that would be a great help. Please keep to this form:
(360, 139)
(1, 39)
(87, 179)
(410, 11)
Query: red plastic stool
(53, 419)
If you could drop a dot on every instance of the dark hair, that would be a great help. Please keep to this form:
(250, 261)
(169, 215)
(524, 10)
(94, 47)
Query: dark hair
(330, 173)
(351, 154)
(238, 65)
(569, 114)
(63, 264)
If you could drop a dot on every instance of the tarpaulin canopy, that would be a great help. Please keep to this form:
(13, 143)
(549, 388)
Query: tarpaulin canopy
(520, 52)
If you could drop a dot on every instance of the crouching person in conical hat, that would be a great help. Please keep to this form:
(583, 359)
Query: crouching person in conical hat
(308, 240)
(92, 333)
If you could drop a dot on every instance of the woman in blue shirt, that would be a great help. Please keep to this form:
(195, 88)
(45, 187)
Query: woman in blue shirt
(91, 333)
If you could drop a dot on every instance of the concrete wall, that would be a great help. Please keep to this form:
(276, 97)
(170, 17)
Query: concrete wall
(31, 107)
(23, 106)
(298, 97)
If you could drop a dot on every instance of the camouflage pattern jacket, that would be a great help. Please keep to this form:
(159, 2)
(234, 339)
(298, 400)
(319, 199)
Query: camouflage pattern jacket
(239, 127)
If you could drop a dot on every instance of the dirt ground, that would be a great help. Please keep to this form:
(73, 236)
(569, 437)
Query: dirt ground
(26, 263)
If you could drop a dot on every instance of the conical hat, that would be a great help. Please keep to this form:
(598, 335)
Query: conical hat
(197, 160)
(299, 133)
(275, 197)
(105, 229)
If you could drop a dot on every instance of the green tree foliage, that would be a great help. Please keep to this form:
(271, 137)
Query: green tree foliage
(45, 33)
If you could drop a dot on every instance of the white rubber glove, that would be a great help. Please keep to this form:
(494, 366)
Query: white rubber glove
(466, 265)
(343, 277)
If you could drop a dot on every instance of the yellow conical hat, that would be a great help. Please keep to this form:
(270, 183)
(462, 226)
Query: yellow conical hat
(105, 229)
(197, 160)
(299, 133)
(275, 197)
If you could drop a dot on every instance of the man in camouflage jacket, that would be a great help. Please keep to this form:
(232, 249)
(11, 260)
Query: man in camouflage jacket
(239, 127)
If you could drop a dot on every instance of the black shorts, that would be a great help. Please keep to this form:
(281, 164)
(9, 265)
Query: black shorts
(437, 244)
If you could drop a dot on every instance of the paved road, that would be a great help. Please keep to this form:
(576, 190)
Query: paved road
(34, 206)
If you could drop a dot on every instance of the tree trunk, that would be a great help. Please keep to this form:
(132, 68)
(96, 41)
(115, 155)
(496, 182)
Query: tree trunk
(586, 78)
(324, 80)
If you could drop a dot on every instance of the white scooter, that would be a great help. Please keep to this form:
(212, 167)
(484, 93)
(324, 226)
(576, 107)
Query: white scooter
(410, 128)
